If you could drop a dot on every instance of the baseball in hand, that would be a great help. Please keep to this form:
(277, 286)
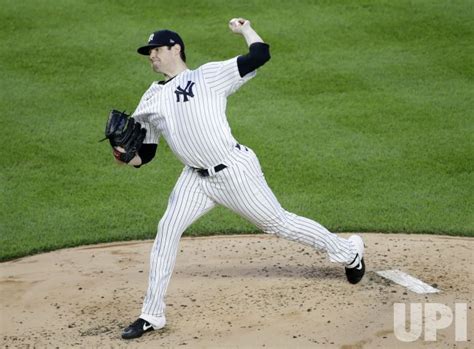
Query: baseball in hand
(236, 21)
(236, 24)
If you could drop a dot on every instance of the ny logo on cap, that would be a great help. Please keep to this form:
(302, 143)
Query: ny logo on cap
(150, 39)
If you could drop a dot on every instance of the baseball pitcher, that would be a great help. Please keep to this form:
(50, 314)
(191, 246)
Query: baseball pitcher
(188, 109)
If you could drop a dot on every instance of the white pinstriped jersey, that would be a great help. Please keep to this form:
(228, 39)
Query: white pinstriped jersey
(189, 111)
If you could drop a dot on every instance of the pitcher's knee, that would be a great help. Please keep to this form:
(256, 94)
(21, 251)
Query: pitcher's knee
(168, 233)
(162, 225)
(166, 227)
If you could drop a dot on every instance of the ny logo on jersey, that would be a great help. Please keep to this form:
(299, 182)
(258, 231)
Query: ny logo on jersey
(186, 92)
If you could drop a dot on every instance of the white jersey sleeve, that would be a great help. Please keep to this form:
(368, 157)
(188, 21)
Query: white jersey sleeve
(223, 77)
(152, 136)
(143, 113)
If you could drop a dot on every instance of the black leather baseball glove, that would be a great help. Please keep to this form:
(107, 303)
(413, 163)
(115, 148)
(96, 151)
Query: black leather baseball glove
(125, 135)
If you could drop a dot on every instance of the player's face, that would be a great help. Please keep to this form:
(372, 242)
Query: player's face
(161, 58)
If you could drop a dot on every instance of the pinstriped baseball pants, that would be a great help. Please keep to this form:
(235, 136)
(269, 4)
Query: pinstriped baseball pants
(242, 188)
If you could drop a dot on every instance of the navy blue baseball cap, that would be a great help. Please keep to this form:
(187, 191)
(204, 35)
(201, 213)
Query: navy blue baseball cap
(159, 38)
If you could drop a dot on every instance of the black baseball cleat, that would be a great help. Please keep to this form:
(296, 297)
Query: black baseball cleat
(136, 329)
(356, 269)
(354, 275)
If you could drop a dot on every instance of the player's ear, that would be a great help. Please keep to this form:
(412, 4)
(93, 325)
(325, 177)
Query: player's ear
(176, 49)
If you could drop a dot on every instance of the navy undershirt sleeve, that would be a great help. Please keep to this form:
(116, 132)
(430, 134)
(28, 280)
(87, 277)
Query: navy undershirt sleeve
(259, 54)
(147, 153)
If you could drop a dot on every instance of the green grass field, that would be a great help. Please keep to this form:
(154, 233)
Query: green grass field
(362, 119)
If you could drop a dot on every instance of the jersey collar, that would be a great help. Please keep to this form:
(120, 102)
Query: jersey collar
(163, 82)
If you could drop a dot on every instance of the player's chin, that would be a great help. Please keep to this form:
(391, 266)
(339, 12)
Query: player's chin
(156, 69)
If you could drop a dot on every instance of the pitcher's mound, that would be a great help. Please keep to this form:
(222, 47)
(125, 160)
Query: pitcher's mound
(241, 291)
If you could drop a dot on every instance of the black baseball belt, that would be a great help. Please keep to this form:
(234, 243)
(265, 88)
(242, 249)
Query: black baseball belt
(203, 172)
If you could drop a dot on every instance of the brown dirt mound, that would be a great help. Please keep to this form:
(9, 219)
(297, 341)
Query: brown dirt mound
(231, 292)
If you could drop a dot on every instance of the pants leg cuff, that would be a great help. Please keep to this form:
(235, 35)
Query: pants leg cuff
(156, 321)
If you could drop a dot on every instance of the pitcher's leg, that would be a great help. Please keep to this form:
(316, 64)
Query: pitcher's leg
(242, 188)
(186, 204)
(307, 231)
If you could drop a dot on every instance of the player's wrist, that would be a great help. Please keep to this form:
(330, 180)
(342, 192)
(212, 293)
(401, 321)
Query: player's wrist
(136, 161)
(251, 37)
(247, 30)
